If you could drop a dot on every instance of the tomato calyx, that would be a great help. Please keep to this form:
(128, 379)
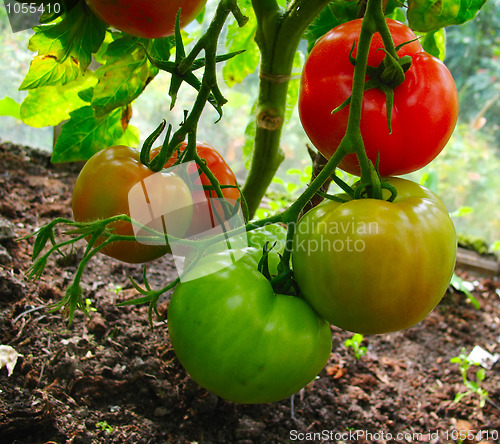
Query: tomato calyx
(391, 70)
(156, 164)
(366, 188)
(282, 282)
(368, 191)
(156, 160)
(388, 75)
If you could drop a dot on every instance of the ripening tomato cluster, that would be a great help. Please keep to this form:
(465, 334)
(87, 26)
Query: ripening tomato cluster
(374, 265)
(364, 265)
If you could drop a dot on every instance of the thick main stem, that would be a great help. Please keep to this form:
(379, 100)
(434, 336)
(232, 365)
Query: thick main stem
(278, 36)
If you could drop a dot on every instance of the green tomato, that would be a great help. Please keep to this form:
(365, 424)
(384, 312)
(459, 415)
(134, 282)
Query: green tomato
(240, 340)
(372, 266)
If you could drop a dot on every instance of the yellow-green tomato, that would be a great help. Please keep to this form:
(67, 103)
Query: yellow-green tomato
(240, 340)
(373, 266)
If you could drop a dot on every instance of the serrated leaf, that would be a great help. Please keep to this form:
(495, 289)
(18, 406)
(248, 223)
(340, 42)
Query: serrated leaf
(49, 70)
(121, 46)
(64, 49)
(430, 15)
(9, 107)
(50, 105)
(121, 80)
(85, 134)
(237, 68)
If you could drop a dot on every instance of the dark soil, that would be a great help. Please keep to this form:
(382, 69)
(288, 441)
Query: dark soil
(111, 378)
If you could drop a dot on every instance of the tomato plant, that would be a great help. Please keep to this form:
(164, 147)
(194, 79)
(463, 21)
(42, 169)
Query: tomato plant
(102, 190)
(148, 19)
(367, 263)
(207, 211)
(372, 266)
(425, 107)
(239, 339)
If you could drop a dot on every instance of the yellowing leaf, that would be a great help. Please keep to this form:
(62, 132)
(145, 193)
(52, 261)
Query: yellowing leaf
(429, 15)
(50, 105)
(121, 80)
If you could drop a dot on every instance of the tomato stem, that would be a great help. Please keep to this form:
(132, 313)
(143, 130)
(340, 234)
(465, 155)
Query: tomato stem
(373, 21)
(278, 35)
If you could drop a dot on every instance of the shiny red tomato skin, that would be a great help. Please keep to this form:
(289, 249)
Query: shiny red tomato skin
(148, 18)
(425, 107)
(202, 222)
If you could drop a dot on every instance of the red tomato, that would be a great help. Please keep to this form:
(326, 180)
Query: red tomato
(425, 107)
(207, 217)
(147, 18)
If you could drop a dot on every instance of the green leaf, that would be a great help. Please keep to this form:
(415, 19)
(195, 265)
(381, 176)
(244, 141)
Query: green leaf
(462, 211)
(236, 69)
(434, 43)
(50, 105)
(64, 49)
(9, 107)
(358, 338)
(334, 14)
(459, 396)
(85, 134)
(396, 10)
(122, 45)
(459, 284)
(480, 374)
(121, 80)
(86, 94)
(430, 180)
(50, 14)
(161, 48)
(430, 15)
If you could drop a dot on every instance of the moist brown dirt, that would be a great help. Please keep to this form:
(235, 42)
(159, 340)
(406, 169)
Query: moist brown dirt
(111, 378)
